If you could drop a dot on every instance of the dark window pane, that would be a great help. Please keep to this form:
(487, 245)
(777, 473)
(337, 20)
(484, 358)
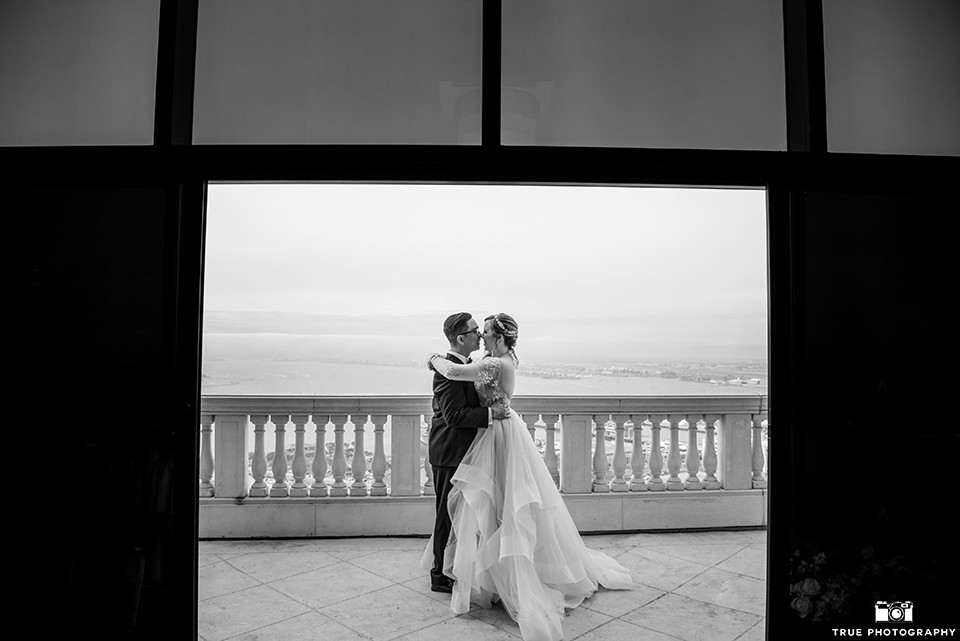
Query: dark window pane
(78, 72)
(336, 71)
(644, 73)
(893, 76)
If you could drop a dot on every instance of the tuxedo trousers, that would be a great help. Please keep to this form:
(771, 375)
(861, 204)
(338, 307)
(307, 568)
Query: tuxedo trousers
(442, 483)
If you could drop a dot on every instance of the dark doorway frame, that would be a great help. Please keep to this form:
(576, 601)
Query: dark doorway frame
(184, 170)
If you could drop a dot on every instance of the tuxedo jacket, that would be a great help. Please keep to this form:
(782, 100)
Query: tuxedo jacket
(456, 417)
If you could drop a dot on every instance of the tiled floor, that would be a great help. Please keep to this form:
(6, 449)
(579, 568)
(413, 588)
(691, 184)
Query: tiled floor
(690, 586)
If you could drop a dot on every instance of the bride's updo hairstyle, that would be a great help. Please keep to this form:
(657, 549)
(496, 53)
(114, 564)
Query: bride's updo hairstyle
(504, 325)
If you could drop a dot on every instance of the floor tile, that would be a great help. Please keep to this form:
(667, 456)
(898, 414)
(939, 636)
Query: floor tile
(612, 551)
(737, 536)
(395, 565)
(464, 627)
(659, 570)
(750, 561)
(388, 613)
(351, 548)
(421, 585)
(703, 553)
(221, 578)
(579, 621)
(692, 620)
(616, 603)
(618, 630)
(207, 559)
(727, 589)
(497, 617)
(330, 584)
(756, 633)
(230, 547)
(311, 625)
(240, 612)
(271, 566)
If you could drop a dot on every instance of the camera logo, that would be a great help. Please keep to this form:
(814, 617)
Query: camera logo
(898, 611)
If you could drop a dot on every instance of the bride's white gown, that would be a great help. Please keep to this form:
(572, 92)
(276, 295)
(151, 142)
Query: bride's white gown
(513, 539)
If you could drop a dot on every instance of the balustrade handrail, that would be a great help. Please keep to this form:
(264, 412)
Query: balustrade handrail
(540, 404)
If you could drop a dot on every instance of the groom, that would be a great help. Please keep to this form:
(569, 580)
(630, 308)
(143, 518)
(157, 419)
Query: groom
(456, 417)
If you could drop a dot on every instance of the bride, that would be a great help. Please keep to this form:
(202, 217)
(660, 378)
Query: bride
(513, 539)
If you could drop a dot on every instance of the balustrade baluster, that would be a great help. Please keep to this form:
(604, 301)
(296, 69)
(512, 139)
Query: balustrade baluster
(379, 468)
(693, 455)
(338, 488)
(258, 466)
(299, 467)
(280, 487)
(710, 481)
(550, 448)
(428, 489)
(673, 455)
(319, 467)
(759, 482)
(656, 484)
(619, 483)
(765, 431)
(600, 454)
(206, 456)
(359, 466)
(531, 421)
(636, 455)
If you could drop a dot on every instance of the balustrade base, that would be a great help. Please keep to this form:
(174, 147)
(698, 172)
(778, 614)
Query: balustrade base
(279, 492)
(601, 487)
(674, 485)
(711, 485)
(259, 492)
(299, 492)
(320, 491)
(378, 491)
(358, 491)
(638, 486)
(206, 492)
(692, 485)
(759, 485)
(338, 491)
(621, 486)
(414, 516)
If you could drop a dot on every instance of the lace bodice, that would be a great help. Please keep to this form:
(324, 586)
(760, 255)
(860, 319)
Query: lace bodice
(488, 383)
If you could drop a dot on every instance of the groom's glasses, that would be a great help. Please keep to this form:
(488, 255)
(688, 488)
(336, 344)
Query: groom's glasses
(475, 331)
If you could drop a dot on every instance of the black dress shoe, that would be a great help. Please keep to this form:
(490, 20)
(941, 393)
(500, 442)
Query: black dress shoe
(442, 587)
(441, 583)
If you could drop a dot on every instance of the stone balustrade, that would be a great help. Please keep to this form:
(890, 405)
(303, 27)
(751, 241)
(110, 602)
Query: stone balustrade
(621, 448)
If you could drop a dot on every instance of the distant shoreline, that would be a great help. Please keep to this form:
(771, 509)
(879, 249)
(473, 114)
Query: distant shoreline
(297, 377)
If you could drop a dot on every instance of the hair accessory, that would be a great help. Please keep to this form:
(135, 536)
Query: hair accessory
(504, 330)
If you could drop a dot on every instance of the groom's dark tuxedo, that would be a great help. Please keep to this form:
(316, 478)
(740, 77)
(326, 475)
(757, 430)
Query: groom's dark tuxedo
(456, 417)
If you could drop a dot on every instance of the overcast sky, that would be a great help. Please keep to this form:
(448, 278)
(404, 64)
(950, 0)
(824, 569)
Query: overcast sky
(635, 273)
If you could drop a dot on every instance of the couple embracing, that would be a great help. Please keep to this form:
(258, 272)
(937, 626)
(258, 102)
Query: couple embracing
(502, 532)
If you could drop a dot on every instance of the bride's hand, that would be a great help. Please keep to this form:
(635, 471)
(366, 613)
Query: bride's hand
(430, 358)
(501, 410)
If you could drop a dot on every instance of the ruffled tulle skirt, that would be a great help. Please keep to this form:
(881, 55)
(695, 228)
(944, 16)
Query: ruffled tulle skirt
(513, 540)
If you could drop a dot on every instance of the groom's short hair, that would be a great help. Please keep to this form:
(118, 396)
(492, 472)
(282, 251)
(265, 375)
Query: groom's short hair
(455, 325)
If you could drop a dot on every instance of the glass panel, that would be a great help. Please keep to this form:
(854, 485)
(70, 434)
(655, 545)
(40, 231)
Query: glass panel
(644, 73)
(336, 71)
(78, 72)
(892, 71)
